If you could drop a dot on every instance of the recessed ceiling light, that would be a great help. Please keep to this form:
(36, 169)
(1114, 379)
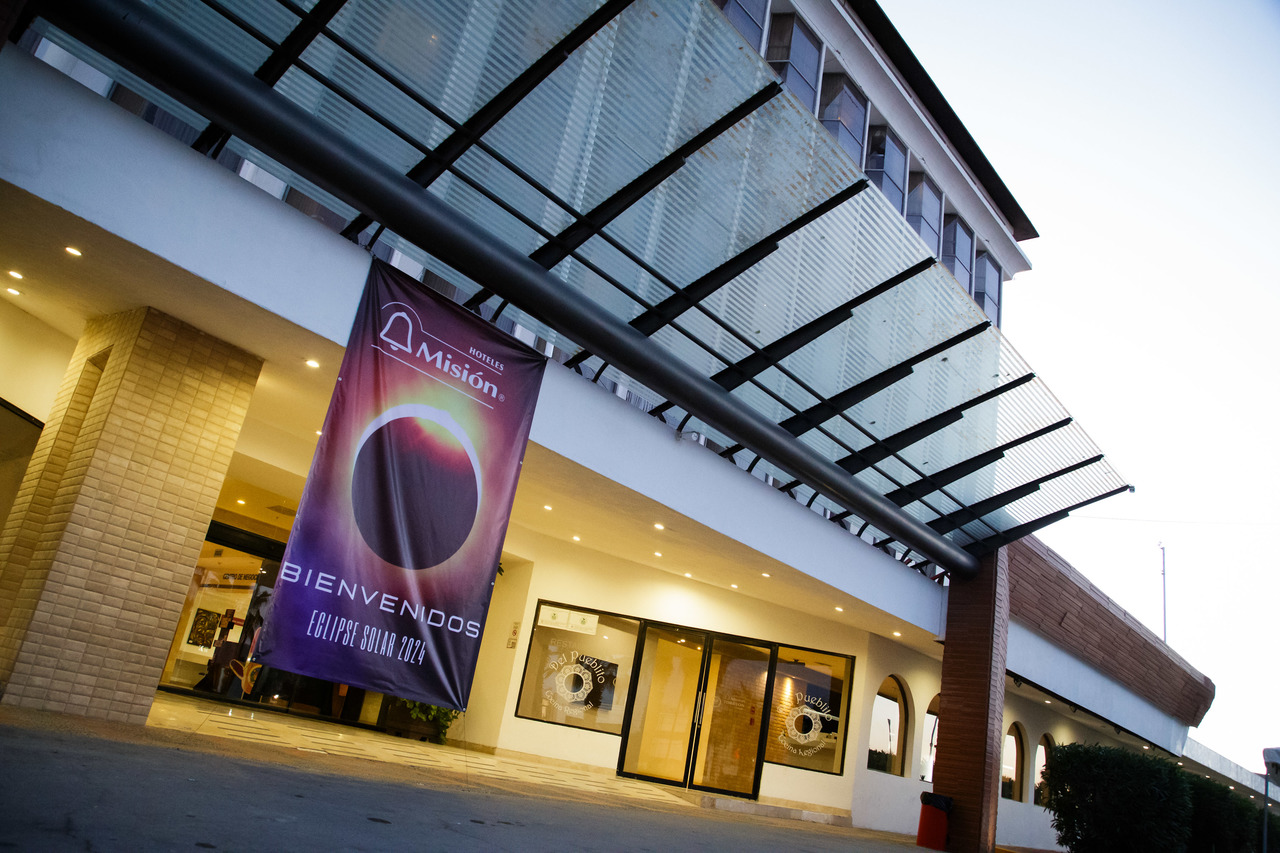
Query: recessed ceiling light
(839, 609)
(1047, 702)
(764, 574)
(733, 586)
(73, 251)
(318, 432)
(241, 502)
(15, 274)
(1144, 746)
(657, 553)
(311, 362)
(686, 574)
(14, 291)
(897, 633)
(659, 526)
(577, 539)
(546, 506)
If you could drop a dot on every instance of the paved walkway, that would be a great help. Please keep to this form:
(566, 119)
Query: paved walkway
(318, 737)
(207, 776)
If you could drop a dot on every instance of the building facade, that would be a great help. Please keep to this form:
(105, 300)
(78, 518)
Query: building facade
(675, 602)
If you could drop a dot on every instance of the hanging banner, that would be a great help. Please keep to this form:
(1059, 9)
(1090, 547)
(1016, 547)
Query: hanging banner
(386, 579)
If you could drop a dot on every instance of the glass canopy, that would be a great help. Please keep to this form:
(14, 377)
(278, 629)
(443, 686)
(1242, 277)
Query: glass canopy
(645, 155)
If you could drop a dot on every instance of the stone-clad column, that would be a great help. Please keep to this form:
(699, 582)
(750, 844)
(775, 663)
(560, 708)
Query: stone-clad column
(97, 553)
(971, 717)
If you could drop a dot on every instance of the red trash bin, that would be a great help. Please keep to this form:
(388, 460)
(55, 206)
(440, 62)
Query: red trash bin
(934, 811)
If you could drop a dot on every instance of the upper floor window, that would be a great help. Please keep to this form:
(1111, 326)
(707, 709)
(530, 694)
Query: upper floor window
(924, 211)
(887, 165)
(747, 16)
(986, 286)
(957, 250)
(796, 56)
(844, 113)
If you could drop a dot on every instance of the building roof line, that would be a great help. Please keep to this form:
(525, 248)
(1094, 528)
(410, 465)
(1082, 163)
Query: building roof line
(883, 32)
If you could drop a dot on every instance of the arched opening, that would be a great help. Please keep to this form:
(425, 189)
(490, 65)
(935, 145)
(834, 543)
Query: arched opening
(1011, 775)
(1041, 792)
(929, 747)
(888, 728)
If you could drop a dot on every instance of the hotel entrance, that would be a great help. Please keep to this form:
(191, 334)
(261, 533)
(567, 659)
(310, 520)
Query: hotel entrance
(690, 707)
(698, 709)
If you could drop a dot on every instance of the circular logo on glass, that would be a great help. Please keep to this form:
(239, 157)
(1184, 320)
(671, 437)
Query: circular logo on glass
(415, 488)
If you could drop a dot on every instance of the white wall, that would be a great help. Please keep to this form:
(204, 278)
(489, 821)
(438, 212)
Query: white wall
(883, 801)
(1040, 661)
(587, 424)
(56, 140)
(35, 356)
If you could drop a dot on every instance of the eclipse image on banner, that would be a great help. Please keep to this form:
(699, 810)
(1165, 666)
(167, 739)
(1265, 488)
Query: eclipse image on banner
(386, 579)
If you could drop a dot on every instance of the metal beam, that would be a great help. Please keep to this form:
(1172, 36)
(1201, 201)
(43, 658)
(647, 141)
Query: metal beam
(1013, 534)
(977, 510)
(743, 371)
(571, 238)
(213, 137)
(482, 120)
(140, 39)
(941, 479)
(689, 296)
(823, 411)
(899, 441)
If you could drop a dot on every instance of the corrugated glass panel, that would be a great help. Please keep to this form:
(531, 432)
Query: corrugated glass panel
(224, 35)
(341, 115)
(654, 77)
(349, 75)
(457, 54)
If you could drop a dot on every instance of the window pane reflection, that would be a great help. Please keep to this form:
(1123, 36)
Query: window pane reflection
(888, 728)
(810, 698)
(579, 668)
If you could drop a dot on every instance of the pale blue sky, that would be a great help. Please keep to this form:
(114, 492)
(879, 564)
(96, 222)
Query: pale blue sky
(1143, 139)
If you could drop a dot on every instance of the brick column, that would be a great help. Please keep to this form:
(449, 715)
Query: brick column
(971, 718)
(97, 553)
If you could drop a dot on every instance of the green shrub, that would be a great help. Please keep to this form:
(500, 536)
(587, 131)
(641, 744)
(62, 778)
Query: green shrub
(1220, 822)
(1105, 799)
(441, 717)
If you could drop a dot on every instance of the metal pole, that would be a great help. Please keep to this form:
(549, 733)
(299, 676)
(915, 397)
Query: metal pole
(143, 41)
(1164, 596)
(1266, 792)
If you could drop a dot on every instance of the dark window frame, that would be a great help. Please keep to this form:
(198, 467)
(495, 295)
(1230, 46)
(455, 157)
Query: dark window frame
(950, 224)
(783, 59)
(739, 15)
(919, 183)
(836, 86)
(879, 138)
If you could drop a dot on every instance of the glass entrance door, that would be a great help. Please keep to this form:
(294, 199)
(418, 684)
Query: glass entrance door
(697, 711)
(730, 741)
